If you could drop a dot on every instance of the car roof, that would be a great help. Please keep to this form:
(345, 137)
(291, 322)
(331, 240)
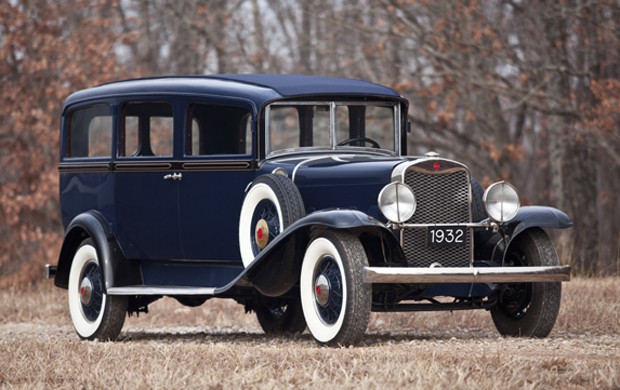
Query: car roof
(258, 88)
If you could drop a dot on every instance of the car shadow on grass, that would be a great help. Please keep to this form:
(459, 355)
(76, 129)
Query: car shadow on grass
(173, 335)
(209, 336)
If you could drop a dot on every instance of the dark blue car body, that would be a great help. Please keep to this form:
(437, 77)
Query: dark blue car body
(161, 201)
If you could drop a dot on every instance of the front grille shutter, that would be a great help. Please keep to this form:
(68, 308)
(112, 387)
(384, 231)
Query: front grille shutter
(442, 197)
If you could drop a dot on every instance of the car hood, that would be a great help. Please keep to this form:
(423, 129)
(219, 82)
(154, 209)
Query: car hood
(349, 181)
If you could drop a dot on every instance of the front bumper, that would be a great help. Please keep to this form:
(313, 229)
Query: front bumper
(466, 274)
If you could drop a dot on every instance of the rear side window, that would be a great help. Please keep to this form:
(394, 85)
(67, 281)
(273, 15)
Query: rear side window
(218, 130)
(147, 130)
(90, 132)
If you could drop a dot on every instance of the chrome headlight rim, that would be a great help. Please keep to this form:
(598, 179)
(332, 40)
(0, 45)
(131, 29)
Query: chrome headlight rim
(501, 202)
(397, 202)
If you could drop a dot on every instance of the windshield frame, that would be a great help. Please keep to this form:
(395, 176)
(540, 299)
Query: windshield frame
(333, 141)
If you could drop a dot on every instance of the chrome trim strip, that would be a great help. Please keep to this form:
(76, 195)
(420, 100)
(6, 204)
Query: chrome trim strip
(84, 167)
(484, 224)
(161, 290)
(215, 165)
(267, 130)
(310, 160)
(466, 274)
(401, 169)
(142, 166)
(398, 135)
(332, 125)
(337, 102)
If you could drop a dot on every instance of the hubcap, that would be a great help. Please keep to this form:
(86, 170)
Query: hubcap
(91, 292)
(86, 291)
(321, 290)
(328, 290)
(261, 234)
(266, 225)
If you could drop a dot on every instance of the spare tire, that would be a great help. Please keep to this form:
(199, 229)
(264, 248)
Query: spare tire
(272, 204)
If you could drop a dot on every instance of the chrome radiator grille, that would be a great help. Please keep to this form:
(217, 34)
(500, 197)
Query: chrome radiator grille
(442, 197)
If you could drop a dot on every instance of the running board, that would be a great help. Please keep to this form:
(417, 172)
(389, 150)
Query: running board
(161, 290)
(466, 274)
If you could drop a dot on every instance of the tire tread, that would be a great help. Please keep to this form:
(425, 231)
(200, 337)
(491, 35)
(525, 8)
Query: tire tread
(545, 302)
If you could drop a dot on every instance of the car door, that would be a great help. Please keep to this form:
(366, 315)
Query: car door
(147, 183)
(217, 168)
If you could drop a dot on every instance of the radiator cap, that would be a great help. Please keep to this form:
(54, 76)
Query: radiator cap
(431, 154)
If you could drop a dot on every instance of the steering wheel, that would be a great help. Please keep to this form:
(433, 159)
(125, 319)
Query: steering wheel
(371, 141)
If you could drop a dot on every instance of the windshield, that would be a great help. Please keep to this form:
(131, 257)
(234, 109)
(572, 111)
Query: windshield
(293, 126)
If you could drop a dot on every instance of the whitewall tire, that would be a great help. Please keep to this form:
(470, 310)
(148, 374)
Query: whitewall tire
(335, 301)
(94, 314)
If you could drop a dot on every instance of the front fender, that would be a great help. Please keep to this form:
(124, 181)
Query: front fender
(276, 269)
(528, 217)
(538, 216)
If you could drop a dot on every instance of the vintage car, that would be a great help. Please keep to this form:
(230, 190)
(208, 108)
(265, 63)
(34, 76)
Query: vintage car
(292, 195)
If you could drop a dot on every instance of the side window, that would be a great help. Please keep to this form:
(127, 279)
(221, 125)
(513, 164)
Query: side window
(90, 132)
(214, 130)
(147, 129)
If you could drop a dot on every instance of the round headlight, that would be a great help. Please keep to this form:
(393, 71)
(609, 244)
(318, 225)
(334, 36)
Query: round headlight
(397, 202)
(501, 202)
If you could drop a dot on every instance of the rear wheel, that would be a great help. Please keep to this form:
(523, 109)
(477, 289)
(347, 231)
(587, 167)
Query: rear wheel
(281, 317)
(95, 314)
(335, 300)
(529, 309)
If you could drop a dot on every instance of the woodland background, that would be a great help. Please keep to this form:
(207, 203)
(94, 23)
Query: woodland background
(523, 91)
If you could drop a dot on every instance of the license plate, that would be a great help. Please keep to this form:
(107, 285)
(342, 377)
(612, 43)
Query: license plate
(446, 236)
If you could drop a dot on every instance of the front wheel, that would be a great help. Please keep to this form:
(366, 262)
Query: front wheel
(95, 315)
(335, 300)
(529, 309)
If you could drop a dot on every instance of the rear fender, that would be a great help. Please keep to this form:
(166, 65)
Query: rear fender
(116, 270)
(275, 270)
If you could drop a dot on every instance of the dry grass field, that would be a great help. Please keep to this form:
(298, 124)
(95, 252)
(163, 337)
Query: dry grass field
(217, 345)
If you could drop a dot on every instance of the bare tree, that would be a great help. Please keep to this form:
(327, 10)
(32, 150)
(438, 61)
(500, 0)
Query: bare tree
(527, 92)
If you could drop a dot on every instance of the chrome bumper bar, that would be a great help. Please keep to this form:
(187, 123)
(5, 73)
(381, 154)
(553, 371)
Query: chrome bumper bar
(50, 271)
(466, 274)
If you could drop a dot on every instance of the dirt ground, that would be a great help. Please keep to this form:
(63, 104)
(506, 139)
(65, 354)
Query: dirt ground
(217, 345)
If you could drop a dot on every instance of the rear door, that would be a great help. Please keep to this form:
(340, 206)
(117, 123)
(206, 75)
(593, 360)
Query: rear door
(147, 181)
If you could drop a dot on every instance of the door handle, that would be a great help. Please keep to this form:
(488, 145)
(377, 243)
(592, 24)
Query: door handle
(174, 176)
